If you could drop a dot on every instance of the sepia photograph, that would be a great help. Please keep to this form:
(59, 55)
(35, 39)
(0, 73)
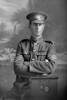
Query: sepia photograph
(33, 49)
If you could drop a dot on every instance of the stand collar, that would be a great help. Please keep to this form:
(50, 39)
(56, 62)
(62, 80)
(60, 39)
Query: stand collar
(36, 40)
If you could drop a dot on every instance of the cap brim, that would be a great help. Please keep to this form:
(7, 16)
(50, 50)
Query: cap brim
(38, 21)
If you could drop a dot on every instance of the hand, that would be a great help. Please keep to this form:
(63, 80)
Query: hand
(24, 67)
(26, 63)
(53, 57)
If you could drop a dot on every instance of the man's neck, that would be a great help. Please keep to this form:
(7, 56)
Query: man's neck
(37, 37)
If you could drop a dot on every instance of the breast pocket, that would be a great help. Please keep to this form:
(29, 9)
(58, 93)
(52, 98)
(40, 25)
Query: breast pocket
(41, 55)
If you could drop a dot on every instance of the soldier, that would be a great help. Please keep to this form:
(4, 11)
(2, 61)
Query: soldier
(34, 55)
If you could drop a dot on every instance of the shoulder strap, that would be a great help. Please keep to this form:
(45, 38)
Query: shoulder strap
(50, 42)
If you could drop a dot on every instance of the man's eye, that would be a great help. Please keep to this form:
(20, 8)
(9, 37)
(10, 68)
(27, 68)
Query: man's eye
(37, 24)
(40, 24)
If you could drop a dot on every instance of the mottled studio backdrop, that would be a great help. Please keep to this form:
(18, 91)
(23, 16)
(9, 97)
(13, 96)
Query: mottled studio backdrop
(13, 24)
(14, 27)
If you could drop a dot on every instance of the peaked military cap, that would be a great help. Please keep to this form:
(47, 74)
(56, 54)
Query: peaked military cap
(37, 17)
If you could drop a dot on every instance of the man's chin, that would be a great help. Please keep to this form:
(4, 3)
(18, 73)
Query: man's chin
(36, 36)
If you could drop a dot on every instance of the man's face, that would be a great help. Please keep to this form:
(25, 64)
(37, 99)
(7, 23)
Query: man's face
(37, 28)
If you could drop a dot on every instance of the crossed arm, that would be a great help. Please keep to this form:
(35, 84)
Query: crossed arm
(21, 66)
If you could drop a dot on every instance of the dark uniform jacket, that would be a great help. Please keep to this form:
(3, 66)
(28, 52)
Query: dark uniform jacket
(40, 56)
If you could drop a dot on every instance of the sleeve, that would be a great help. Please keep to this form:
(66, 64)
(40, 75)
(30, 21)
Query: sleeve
(52, 53)
(51, 56)
(19, 66)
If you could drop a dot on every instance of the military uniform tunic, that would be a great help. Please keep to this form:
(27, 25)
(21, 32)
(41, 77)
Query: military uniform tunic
(39, 54)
